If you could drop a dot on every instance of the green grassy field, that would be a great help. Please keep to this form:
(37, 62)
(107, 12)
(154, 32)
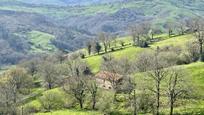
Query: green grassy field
(174, 41)
(41, 42)
(187, 107)
(132, 51)
(70, 112)
(195, 73)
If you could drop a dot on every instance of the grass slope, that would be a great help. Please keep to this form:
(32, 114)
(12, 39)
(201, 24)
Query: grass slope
(41, 42)
(187, 107)
(132, 51)
(70, 112)
(195, 74)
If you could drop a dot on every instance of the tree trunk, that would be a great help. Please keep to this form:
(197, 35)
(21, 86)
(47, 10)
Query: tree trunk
(7, 102)
(138, 41)
(94, 103)
(49, 86)
(81, 103)
(15, 97)
(14, 112)
(152, 36)
(135, 103)
(169, 33)
(49, 108)
(158, 98)
(171, 107)
(89, 51)
(201, 50)
(115, 96)
(22, 111)
(105, 48)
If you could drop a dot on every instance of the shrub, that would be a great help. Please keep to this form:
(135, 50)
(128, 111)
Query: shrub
(202, 57)
(112, 49)
(145, 44)
(145, 102)
(192, 51)
(70, 102)
(171, 57)
(82, 56)
(106, 106)
(183, 59)
(52, 100)
(32, 107)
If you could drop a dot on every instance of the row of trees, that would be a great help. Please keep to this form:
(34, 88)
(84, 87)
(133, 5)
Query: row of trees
(104, 42)
(143, 33)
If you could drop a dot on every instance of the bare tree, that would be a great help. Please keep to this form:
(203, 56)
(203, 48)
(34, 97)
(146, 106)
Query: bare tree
(192, 51)
(134, 103)
(77, 87)
(176, 84)
(103, 37)
(143, 60)
(192, 24)
(93, 89)
(199, 35)
(60, 56)
(89, 47)
(114, 40)
(19, 80)
(139, 31)
(157, 74)
(110, 64)
(98, 47)
(136, 32)
(119, 69)
(121, 66)
(13, 86)
(170, 27)
(49, 73)
(31, 66)
(76, 81)
(122, 43)
(7, 106)
(156, 69)
(153, 32)
(182, 26)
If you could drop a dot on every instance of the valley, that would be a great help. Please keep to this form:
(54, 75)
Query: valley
(101, 57)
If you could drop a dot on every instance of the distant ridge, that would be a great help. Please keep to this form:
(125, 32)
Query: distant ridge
(65, 2)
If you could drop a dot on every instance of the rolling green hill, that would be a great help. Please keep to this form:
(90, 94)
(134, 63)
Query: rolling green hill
(47, 26)
(169, 9)
(195, 73)
(41, 42)
(70, 24)
(131, 52)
